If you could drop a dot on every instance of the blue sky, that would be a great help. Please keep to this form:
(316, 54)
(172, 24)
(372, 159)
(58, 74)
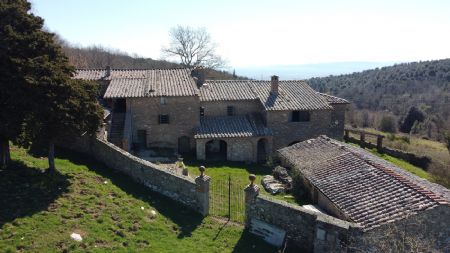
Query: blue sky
(261, 33)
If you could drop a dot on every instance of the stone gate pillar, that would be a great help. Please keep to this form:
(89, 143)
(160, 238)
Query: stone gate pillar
(251, 192)
(202, 183)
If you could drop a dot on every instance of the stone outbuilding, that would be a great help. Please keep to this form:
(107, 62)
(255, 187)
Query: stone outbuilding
(393, 207)
(237, 120)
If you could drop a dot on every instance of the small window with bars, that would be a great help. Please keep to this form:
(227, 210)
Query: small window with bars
(230, 110)
(163, 119)
(202, 111)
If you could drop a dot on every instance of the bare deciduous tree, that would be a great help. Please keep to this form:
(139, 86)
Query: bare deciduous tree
(193, 47)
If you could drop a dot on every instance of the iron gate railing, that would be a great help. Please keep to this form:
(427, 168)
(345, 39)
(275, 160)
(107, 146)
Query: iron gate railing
(226, 199)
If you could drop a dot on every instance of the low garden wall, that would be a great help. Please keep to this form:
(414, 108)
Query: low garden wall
(183, 189)
(304, 229)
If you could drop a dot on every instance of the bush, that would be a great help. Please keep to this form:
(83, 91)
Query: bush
(387, 124)
(447, 140)
(299, 191)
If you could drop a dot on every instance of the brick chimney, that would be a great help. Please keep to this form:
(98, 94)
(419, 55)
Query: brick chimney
(274, 85)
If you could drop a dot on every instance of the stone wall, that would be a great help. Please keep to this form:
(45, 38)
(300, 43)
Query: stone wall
(286, 132)
(184, 113)
(336, 130)
(427, 231)
(183, 189)
(219, 108)
(238, 149)
(306, 230)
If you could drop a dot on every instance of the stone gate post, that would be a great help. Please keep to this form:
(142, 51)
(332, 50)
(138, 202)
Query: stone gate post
(202, 183)
(251, 192)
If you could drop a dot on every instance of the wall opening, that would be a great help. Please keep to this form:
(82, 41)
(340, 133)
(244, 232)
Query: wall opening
(216, 150)
(184, 145)
(261, 155)
(120, 105)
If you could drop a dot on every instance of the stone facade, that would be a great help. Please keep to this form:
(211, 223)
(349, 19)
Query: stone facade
(219, 108)
(183, 115)
(238, 149)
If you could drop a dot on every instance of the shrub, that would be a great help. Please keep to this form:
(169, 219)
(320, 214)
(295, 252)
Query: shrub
(387, 124)
(299, 191)
(447, 140)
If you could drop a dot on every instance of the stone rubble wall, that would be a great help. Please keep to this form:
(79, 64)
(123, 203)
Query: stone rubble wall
(307, 230)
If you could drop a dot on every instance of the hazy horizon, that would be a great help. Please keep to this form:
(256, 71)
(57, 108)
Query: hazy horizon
(260, 33)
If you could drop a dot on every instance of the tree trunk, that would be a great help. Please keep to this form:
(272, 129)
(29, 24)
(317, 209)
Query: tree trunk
(5, 155)
(51, 157)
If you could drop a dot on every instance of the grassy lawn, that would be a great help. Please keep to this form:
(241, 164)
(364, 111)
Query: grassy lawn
(238, 172)
(404, 165)
(112, 213)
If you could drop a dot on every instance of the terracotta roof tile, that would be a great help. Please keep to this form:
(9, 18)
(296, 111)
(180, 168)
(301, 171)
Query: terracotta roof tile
(367, 189)
(292, 95)
(231, 126)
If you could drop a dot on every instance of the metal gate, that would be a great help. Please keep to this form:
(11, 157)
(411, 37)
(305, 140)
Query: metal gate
(226, 199)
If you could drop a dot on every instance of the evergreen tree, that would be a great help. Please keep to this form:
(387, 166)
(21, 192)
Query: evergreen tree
(414, 115)
(39, 89)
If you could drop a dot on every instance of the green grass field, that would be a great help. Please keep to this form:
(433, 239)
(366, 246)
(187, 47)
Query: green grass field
(112, 213)
(238, 172)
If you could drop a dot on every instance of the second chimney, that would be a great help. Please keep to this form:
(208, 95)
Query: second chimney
(108, 71)
(274, 85)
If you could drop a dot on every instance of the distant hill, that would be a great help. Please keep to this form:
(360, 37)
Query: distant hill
(304, 71)
(395, 89)
(100, 57)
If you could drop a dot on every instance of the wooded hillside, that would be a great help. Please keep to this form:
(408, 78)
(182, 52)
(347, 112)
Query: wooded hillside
(100, 57)
(392, 91)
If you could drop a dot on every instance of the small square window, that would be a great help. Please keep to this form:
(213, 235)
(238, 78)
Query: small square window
(163, 119)
(300, 116)
(163, 101)
(202, 111)
(230, 110)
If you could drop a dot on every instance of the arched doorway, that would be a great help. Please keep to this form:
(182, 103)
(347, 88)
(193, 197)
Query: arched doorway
(216, 150)
(261, 154)
(184, 145)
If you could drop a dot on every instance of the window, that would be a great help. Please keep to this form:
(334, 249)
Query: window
(163, 119)
(300, 116)
(202, 111)
(163, 101)
(230, 110)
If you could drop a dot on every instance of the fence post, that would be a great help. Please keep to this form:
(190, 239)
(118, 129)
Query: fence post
(380, 143)
(202, 183)
(251, 192)
(362, 139)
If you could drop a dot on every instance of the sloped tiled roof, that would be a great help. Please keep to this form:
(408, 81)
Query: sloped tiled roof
(100, 74)
(368, 190)
(292, 95)
(333, 100)
(226, 90)
(145, 83)
(231, 126)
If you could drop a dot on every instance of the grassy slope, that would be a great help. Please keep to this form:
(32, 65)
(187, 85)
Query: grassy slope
(404, 165)
(39, 212)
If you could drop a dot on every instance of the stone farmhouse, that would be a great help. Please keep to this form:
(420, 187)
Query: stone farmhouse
(390, 205)
(236, 120)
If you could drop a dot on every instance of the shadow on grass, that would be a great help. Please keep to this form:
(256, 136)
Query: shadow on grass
(251, 168)
(187, 220)
(25, 191)
(251, 243)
